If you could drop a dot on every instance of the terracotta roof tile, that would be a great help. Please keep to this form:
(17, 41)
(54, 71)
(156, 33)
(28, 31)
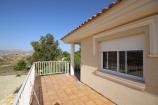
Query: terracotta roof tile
(104, 10)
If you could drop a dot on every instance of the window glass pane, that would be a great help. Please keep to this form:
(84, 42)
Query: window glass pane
(135, 63)
(122, 61)
(112, 60)
(105, 60)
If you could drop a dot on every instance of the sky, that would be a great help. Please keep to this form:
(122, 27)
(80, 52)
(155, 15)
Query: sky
(24, 21)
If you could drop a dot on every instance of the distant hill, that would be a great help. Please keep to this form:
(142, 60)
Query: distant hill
(11, 56)
(5, 52)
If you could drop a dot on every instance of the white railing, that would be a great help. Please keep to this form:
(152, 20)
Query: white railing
(39, 68)
(24, 95)
(52, 67)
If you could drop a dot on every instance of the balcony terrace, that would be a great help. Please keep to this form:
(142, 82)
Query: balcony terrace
(49, 83)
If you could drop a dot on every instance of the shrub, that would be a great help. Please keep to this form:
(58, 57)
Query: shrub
(20, 65)
(77, 60)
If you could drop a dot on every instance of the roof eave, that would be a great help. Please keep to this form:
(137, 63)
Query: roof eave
(104, 10)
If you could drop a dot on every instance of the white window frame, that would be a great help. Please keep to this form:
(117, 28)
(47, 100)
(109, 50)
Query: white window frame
(119, 73)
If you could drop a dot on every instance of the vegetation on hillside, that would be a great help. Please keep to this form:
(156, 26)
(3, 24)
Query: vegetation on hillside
(10, 56)
(2, 61)
(20, 65)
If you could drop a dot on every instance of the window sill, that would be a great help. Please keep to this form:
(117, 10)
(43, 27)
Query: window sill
(121, 80)
(152, 55)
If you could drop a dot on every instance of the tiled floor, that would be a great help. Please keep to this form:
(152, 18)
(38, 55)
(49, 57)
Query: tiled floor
(65, 90)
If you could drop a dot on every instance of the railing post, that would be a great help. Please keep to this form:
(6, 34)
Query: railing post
(49, 67)
(65, 67)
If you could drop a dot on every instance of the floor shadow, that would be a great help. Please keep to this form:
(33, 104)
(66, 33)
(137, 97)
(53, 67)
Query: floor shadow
(37, 92)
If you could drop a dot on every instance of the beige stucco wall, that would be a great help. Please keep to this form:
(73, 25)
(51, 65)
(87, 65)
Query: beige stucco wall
(120, 21)
(120, 94)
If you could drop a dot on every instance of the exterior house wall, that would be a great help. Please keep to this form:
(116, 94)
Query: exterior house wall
(130, 17)
(115, 91)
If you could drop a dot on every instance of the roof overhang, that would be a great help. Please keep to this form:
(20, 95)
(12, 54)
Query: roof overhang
(117, 14)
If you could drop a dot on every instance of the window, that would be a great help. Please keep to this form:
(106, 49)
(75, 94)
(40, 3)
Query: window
(122, 61)
(112, 60)
(125, 62)
(105, 60)
(135, 63)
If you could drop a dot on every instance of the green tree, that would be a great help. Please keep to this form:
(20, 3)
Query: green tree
(20, 65)
(46, 49)
(77, 58)
(66, 56)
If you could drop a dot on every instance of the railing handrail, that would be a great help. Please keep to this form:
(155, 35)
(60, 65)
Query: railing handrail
(52, 61)
(51, 67)
(23, 86)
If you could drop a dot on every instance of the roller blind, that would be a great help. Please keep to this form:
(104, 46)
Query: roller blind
(135, 42)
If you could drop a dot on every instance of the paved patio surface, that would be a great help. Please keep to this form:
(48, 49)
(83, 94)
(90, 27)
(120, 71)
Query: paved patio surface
(65, 90)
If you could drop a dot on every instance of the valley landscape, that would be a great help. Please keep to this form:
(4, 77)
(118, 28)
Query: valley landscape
(10, 79)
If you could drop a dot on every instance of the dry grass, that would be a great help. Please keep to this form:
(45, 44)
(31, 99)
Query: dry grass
(7, 69)
(9, 84)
